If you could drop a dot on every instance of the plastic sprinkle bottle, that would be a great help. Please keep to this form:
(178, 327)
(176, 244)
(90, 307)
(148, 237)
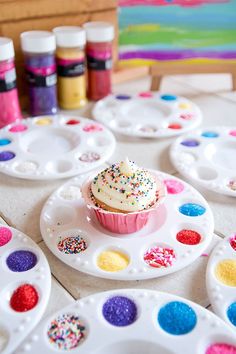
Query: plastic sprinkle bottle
(70, 59)
(40, 65)
(99, 58)
(9, 102)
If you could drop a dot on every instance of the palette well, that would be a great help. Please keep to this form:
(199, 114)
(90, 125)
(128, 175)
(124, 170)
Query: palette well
(175, 235)
(221, 280)
(49, 147)
(132, 321)
(25, 285)
(207, 157)
(148, 114)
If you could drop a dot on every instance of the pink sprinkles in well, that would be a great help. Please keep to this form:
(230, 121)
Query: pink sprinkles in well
(186, 116)
(159, 257)
(5, 235)
(18, 128)
(232, 242)
(89, 156)
(89, 128)
(147, 94)
(232, 133)
(173, 186)
(221, 348)
(232, 185)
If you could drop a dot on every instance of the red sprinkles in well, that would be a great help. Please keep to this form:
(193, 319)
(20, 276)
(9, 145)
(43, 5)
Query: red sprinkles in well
(232, 242)
(73, 122)
(175, 126)
(158, 257)
(24, 298)
(188, 237)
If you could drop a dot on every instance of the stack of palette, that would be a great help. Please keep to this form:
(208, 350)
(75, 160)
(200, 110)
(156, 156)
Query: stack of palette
(114, 322)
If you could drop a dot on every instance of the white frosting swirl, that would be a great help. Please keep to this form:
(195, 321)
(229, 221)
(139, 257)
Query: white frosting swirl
(125, 187)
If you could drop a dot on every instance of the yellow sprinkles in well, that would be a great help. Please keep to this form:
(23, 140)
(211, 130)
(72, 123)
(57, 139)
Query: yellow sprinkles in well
(112, 261)
(184, 105)
(225, 272)
(44, 121)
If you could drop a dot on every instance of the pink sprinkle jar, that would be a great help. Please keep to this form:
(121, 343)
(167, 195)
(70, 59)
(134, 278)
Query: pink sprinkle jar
(9, 102)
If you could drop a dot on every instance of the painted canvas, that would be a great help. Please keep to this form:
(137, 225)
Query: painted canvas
(177, 30)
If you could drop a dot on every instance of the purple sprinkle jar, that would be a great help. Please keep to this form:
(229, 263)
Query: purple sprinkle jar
(40, 65)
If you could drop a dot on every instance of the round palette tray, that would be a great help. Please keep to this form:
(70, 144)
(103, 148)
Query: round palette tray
(147, 114)
(221, 280)
(206, 156)
(174, 236)
(25, 285)
(49, 147)
(132, 321)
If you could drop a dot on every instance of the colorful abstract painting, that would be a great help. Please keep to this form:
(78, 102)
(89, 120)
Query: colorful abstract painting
(176, 30)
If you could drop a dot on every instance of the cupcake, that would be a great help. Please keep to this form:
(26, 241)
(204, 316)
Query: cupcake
(123, 196)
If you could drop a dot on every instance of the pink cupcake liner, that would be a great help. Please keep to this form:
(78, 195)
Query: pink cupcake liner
(122, 223)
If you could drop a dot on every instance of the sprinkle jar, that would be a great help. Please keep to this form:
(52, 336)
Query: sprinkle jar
(70, 59)
(39, 48)
(99, 58)
(9, 101)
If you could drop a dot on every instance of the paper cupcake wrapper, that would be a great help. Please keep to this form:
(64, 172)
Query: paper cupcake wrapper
(122, 223)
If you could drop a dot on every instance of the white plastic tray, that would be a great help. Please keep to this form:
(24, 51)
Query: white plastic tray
(149, 115)
(163, 323)
(221, 280)
(50, 147)
(207, 156)
(14, 325)
(66, 215)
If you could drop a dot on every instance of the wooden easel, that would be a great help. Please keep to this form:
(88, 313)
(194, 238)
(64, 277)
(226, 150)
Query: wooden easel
(161, 69)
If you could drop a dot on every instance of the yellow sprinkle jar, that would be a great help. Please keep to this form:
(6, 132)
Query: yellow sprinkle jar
(70, 66)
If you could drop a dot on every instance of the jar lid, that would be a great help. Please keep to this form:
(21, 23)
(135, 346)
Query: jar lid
(69, 36)
(6, 48)
(38, 41)
(99, 31)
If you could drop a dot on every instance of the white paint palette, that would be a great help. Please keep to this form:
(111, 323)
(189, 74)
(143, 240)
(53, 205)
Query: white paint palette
(207, 157)
(132, 321)
(221, 280)
(25, 285)
(147, 114)
(50, 147)
(174, 236)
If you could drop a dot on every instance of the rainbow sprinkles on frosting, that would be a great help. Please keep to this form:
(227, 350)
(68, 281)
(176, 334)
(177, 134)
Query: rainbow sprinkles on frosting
(125, 187)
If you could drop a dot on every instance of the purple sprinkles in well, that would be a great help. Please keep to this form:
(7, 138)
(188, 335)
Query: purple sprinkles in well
(120, 311)
(21, 261)
(6, 155)
(123, 97)
(190, 143)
